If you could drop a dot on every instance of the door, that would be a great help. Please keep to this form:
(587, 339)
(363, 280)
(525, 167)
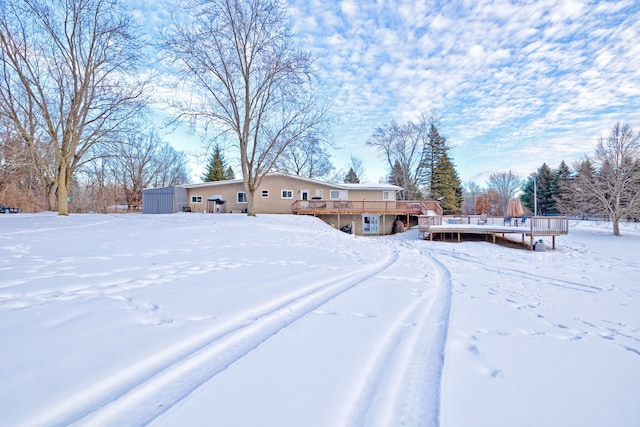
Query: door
(371, 224)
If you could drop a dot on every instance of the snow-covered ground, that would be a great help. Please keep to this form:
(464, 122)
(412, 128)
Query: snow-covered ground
(227, 320)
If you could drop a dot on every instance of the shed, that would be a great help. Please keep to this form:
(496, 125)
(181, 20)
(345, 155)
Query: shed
(164, 200)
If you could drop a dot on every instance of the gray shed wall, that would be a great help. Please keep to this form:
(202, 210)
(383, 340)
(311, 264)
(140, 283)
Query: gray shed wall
(164, 200)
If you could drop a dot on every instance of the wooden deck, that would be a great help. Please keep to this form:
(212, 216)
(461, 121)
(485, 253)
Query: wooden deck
(372, 207)
(538, 226)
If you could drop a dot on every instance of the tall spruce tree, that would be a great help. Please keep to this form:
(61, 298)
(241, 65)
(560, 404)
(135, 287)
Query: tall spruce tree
(217, 170)
(446, 186)
(562, 189)
(543, 192)
(584, 200)
(433, 151)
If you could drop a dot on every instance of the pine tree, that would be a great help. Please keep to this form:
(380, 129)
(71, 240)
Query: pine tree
(352, 177)
(546, 202)
(584, 200)
(562, 189)
(217, 169)
(446, 186)
(544, 199)
(433, 151)
(399, 177)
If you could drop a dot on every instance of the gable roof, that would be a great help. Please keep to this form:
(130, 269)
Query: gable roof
(339, 186)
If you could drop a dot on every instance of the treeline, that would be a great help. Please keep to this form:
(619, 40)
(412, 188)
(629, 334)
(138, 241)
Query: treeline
(111, 178)
(605, 185)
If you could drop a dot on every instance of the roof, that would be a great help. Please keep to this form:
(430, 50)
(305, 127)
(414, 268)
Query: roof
(342, 186)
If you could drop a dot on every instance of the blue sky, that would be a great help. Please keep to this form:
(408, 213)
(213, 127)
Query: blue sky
(516, 83)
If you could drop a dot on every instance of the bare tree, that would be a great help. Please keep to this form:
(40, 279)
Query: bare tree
(66, 80)
(355, 164)
(250, 81)
(144, 160)
(471, 193)
(411, 151)
(20, 185)
(616, 183)
(307, 157)
(506, 185)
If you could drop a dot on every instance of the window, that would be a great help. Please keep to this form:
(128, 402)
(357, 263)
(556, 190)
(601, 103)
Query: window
(339, 194)
(265, 193)
(370, 224)
(242, 197)
(319, 193)
(388, 195)
(196, 199)
(287, 194)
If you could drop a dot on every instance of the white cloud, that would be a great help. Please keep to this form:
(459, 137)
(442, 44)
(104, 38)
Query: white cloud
(513, 80)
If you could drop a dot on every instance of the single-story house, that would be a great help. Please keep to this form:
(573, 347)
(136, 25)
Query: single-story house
(361, 208)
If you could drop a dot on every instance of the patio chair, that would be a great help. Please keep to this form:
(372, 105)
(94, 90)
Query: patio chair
(507, 221)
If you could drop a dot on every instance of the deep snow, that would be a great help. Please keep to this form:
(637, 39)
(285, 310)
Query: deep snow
(228, 320)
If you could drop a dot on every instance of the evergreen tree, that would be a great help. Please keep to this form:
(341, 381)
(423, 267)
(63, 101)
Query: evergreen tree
(230, 173)
(399, 177)
(433, 151)
(542, 180)
(562, 189)
(583, 199)
(528, 193)
(352, 177)
(446, 186)
(396, 177)
(546, 202)
(217, 169)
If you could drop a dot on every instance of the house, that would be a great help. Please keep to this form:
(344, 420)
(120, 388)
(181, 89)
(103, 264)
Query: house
(369, 209)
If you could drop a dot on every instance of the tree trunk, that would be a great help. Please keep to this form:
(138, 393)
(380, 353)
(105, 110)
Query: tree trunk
(52, 194)
(63, 189)
(251, 210)
(616, 226)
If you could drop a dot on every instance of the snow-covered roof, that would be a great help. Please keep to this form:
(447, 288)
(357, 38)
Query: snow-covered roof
(339, 185)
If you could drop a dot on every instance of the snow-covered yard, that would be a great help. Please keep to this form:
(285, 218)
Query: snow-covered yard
(227, 320)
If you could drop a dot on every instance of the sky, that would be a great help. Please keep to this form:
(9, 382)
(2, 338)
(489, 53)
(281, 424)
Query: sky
(515, 83)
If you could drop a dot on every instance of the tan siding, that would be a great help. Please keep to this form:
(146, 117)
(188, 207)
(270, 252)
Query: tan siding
(227, 191)
(365, 195)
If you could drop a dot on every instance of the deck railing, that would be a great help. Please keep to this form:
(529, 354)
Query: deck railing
(533, 226)
(549, 225)
(326, 207)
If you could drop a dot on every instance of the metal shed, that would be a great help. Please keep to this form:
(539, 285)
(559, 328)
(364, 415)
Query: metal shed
(164, 200)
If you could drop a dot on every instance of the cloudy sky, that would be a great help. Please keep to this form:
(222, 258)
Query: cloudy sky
(516, 83)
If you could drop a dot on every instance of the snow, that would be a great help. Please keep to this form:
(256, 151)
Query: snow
(278, 320)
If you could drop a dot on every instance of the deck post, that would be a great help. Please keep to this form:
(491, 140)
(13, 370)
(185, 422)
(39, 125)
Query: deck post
(384, 224)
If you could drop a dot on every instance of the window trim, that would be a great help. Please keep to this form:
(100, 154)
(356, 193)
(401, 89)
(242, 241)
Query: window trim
(342, 195)
(264, 193)
(196, 199)
(244, 196)
(289, 195)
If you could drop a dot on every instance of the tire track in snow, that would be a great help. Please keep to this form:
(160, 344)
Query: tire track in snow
(145, 391)
(539, 278)
(403, 383)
